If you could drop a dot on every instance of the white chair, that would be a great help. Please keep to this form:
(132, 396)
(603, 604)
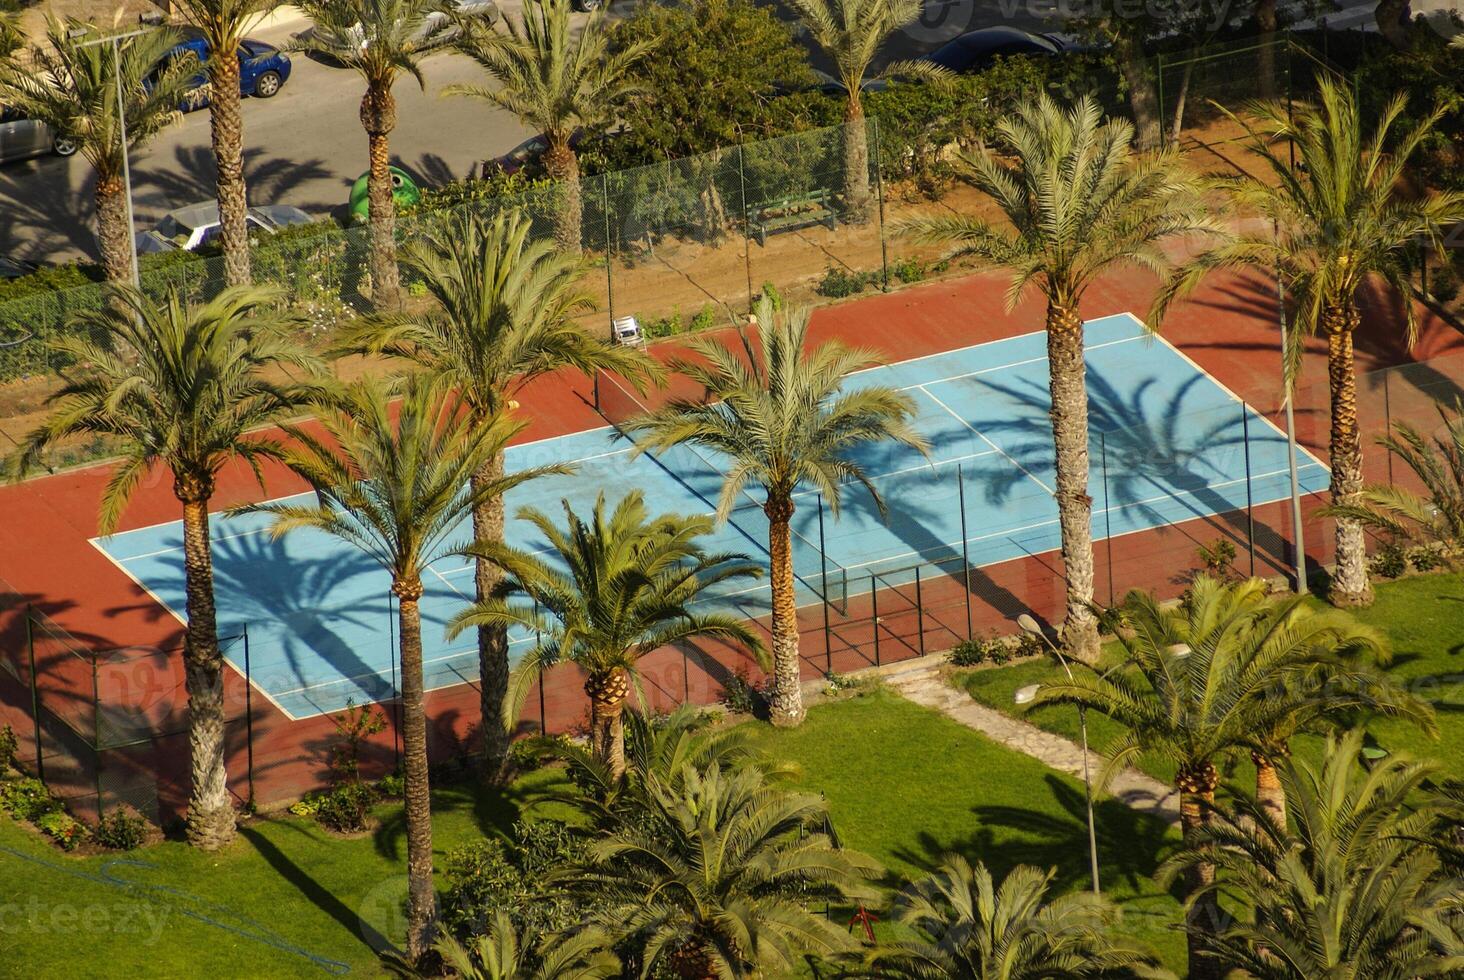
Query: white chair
(624, 330)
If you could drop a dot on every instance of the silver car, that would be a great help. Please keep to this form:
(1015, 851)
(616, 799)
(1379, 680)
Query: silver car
(22, 138)
(197, 225)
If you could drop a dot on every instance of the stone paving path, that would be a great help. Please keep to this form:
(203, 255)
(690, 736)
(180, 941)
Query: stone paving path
(923, 684)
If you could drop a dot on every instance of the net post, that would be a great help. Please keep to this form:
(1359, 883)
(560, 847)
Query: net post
(874, 613)
(824, 573)
(746, 224)
(965, 545)
(249, 714)
(30, 645)
(919, 612)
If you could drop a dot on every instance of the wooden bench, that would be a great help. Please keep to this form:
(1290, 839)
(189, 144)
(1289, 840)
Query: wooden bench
(792, 212)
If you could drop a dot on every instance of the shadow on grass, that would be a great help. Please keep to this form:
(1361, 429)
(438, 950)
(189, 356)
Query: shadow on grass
(317, 894)
(1131, 843)
(495, 809)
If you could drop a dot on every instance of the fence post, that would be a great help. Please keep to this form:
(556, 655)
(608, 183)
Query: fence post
(249, 713)
(1250, 508)
(1107, 510)
(96, 736)
(965, 545)
(538, 638)
(609, 250)
(30, 645)
(874, 613)
(919, 611)
(746, 224)
(884, 248)
(685, 677)
(1388, 419)
(823, 561)
(396, 700)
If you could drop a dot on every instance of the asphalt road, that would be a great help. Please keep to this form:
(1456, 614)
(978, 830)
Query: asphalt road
(303, 147)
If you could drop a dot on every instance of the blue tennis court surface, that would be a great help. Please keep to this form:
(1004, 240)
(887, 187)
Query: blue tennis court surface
(1168, 442)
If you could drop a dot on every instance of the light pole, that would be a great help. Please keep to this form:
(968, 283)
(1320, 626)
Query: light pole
(1025, 695)
(114, 39)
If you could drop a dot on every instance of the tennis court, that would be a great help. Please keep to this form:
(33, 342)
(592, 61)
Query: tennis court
(1169, 444)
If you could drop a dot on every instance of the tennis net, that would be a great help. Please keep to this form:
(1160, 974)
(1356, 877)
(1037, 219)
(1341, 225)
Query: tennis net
(814, 571)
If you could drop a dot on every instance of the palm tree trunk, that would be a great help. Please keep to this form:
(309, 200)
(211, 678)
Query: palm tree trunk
(607, 692)
(1266, 56)
(227, 131)
(210, 812)
(1196, 785)
(786, 702)
(112, 231)
(421, 904)
(488, 523)
(1142, 100)
(1350, 586)
(378, 118)
(1269, 792)
(856, 162)
(563, 167)
(1067, 380)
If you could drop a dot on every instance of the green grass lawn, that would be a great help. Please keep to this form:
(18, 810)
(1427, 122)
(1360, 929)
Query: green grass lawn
(286, 892)
(1423, 618)
(904, 784)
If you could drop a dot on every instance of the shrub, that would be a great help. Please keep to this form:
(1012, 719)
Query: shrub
(1425, 559)
(306, 806)
(1001, 654)
(9, 749)
(345, 808)
(771, 294)
(62, 828)
(838, 283)
(1391, 560)
(480, 880)
(1218, 557)
(353, 728)
(121, 830)
(911, 269)
(739, 694)
(392, 786)
(1445, 283)
(27, 799)
(840, 682)
(969, 653)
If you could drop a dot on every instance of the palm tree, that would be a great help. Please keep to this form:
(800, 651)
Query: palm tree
(222, 25)
(1354, 888)
(390, 479)
(1343, 220)
(851, 32)
(70, 84)
(504, 316)
(381, 40)
(629, 588)
(712, 875)
(1206, 679)
(1435, 521)
(555, 82)
(1080, 202)
(966, 926)
(776, 407)
(183, 388)
(507, 953)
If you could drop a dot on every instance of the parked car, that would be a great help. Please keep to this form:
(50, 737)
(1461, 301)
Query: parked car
(263, 68)
(15, 268)
(197, 225)
(21, 138)
(439, 27)
(978, 50)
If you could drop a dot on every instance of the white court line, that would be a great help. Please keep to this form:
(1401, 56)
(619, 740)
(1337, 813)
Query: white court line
(983, 438)
(933, 464)
(1030, 360)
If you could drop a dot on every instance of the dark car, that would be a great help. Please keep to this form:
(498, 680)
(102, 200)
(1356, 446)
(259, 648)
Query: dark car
(263, 68)
(978, 50)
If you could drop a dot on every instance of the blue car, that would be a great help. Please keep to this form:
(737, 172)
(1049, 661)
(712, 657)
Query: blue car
(263, 68)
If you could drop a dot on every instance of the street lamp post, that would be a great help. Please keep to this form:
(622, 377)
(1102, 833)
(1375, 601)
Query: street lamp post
(114, 40)
(1029, 626)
